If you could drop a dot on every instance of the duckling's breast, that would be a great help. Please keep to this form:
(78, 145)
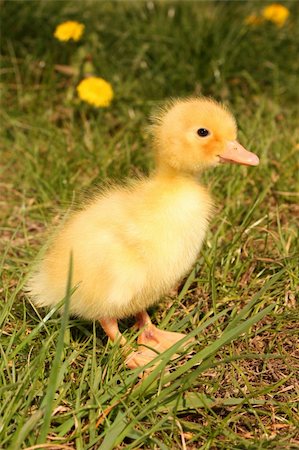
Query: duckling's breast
(174, 222)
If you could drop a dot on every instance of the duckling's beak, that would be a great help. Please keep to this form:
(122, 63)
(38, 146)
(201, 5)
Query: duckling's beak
(236, 153)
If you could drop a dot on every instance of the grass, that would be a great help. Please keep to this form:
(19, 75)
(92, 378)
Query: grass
(62, 384)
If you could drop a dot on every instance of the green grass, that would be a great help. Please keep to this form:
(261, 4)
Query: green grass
(62, 384)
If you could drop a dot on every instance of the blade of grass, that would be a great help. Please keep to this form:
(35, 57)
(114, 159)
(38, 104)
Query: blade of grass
(111, 437)
(29, 425)
(47, 403)
(35, 331)
(245, 311)
(194, 400)
(181, 295)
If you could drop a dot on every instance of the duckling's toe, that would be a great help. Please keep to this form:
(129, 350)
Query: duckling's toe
(140, 358)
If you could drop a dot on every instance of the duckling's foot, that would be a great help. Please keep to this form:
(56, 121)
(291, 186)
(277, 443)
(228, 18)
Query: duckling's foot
(160, 340)
(152, 342)
(156, 339)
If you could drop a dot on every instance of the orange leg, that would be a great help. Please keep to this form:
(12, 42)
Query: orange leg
(134, 359)
(110, 327)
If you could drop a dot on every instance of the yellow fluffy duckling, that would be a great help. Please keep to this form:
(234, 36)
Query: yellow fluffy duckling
(131, 244)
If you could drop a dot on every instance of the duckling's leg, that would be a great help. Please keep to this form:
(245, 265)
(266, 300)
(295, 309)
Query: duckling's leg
(134, 359)
(110, 327)
(151, 336)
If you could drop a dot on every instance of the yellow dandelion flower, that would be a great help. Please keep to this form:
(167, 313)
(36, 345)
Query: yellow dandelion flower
(253, 19)
(96, 91)
(276, 13)
(69, 30)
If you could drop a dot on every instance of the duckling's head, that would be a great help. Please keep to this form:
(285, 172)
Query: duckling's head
(195, 133)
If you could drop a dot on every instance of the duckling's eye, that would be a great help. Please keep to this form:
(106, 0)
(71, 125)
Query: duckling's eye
(203, 132)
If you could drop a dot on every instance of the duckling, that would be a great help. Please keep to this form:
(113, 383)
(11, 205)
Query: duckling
(131, 244)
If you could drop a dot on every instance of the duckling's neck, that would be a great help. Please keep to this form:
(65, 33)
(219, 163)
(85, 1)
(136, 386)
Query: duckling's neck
(165, 171)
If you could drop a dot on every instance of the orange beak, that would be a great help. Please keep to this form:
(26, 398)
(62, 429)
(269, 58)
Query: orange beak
(236, 153)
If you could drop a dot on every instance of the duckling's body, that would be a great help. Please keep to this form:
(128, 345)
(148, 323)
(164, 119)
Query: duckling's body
(130, 246)
(132, 243)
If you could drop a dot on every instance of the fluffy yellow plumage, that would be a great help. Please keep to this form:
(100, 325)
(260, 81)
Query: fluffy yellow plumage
(131, 244)
(129, 247)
